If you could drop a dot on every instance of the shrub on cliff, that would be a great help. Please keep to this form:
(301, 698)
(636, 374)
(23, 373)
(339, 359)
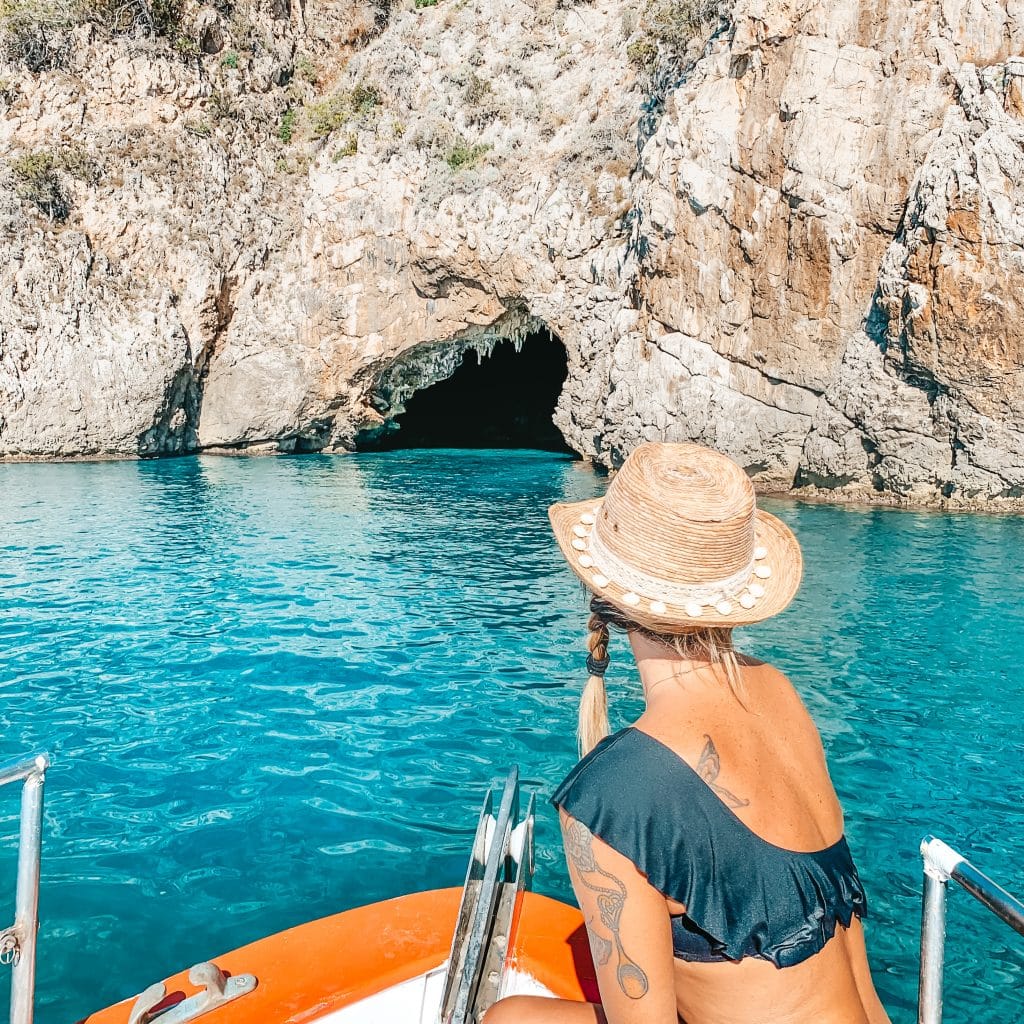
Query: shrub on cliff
(286, 128)
(348, 148)
(129, 17)
(325, 116)
(598, 150)
(676, 23)
(80, 165)
(36, 33)
(477, 90)
(668, 28)
(40, 177)
(481, 102)
(463, 155)
(158, 19)
(434, 135)
(339, 109)
(36, 181)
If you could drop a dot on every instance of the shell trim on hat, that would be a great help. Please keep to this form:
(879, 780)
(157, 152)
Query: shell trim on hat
(693, 599)
(710, 594)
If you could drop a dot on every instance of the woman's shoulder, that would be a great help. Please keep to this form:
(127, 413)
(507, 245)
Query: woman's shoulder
(772, 689)
(758, 667)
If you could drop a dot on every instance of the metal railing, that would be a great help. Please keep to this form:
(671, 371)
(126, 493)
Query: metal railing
(500, 870)
(18, 942)
(942, 863)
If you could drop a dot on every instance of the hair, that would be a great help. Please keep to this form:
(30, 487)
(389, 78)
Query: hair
(707, 643)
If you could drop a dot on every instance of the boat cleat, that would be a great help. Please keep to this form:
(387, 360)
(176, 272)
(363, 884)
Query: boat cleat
(218, 989)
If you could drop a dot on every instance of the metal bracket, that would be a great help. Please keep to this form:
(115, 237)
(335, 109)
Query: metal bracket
(217, 990)
(10, 946)
(942, 865)
(940, 860)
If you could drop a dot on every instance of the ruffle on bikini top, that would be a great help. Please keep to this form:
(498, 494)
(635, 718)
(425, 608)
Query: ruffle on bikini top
(744, 896)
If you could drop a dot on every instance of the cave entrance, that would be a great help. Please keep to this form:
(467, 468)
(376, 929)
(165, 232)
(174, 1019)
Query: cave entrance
(504, 400)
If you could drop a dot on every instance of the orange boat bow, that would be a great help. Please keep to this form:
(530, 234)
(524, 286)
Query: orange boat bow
(315, 968)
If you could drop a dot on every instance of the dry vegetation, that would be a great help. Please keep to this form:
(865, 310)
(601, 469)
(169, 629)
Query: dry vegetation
(38, 33)
(666, 30)
(280, 99)
(256, 84)
(36, 180)
(339, 109)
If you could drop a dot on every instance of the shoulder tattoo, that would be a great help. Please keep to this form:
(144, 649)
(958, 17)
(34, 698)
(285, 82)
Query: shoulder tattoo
(611, 899)
(708, 768)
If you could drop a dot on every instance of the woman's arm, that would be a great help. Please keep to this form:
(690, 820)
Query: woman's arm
(629, 928)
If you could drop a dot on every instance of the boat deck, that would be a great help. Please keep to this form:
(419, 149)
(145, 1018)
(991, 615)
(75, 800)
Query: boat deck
(384, 962)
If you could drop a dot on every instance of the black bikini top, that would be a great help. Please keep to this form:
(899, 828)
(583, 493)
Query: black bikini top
(743, 895)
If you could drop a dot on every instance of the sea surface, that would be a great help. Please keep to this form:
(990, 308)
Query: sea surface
(275, 689)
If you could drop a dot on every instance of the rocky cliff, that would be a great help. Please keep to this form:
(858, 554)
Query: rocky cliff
(790, 229)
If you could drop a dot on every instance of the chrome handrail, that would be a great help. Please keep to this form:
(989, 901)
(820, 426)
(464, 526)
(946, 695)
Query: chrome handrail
(500, 870)
(518, 880)
(18, 942)
(942, 863)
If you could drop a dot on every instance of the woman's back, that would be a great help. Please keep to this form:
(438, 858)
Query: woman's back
(833, 987)
(763, 760)
(758, 748)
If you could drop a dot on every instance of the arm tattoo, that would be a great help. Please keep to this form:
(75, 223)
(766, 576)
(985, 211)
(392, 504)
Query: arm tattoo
(708, 768)
(599, 944)
(611, 898)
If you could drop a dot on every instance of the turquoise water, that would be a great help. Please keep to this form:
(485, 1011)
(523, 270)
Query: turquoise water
(277, 688)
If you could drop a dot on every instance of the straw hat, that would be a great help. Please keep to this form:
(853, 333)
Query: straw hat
(678, 541)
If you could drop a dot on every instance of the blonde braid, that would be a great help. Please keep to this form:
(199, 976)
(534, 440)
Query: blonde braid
(593, 718)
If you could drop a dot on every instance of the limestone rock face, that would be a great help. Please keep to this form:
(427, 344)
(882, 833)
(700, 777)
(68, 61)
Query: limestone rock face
(929, 398)
(807, 249)
(778, 199)
(109, 313)
(69, 329)
(488, 197)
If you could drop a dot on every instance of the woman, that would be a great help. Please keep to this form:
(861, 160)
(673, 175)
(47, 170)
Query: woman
(705, 842)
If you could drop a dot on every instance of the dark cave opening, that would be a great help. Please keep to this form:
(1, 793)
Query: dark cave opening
(504, 400)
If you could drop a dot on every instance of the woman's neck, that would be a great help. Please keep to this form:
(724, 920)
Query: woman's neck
(664, 675)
